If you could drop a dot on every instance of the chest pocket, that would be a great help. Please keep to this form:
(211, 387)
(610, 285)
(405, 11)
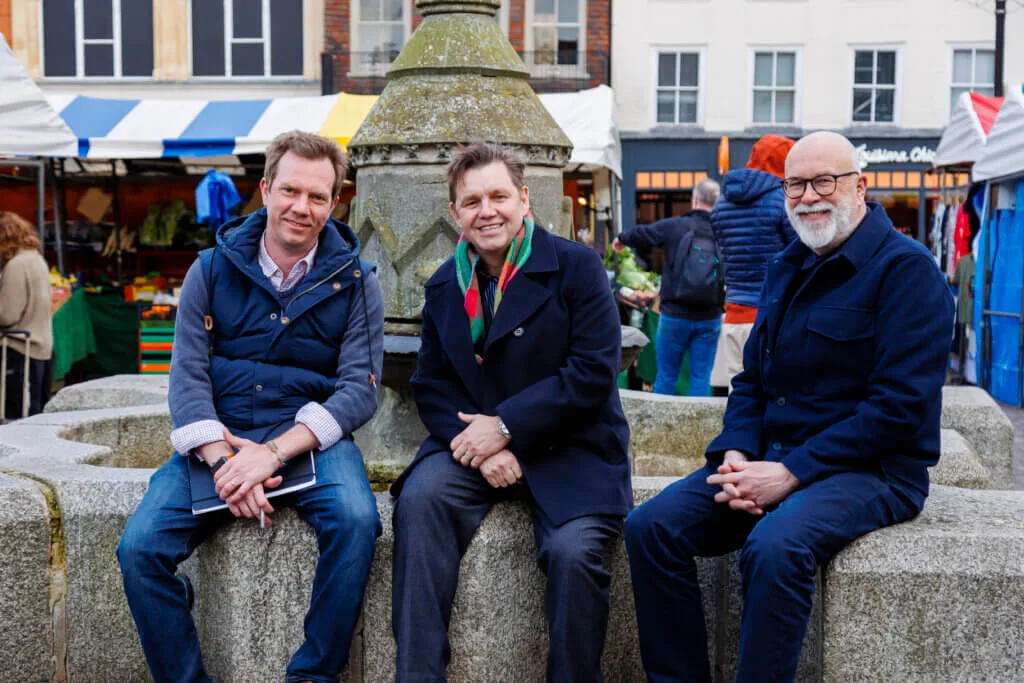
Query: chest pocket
(840, 349)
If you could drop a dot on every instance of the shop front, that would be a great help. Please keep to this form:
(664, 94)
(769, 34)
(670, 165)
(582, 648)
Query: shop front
(659, 173)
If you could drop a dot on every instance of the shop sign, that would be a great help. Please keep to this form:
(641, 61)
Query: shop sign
(883, 155)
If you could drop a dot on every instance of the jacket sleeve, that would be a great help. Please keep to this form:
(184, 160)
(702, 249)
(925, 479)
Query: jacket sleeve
(647, 236)
(563, 402)
(193, 415)
(741, 426)
(439, 393)
(354, 400)
(14, 293)
(914, 325)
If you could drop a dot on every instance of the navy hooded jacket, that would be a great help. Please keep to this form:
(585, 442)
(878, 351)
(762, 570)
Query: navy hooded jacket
(751, 227)
(274, 352)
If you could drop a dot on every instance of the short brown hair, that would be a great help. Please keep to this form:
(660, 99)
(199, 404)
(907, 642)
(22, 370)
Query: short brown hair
(309, 146)
(16, 234)
(480, 154)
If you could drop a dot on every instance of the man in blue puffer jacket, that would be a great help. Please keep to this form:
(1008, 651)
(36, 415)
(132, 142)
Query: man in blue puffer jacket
(750, 226)
(282, 361)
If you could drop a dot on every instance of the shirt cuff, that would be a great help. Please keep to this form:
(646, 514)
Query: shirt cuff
(323, 425)
(187, 438)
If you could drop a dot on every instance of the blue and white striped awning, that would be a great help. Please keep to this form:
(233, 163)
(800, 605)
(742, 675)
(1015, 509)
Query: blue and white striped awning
(150, 129)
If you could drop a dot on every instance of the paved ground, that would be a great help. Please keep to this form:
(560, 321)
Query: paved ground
(1016, 416)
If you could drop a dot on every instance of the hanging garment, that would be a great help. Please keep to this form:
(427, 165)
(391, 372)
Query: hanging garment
(215, 197)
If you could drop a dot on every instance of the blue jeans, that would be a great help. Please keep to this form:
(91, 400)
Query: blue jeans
(779, 556)
(675, 336)
(163, 532)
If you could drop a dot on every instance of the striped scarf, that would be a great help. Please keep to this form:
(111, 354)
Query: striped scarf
(466, 260)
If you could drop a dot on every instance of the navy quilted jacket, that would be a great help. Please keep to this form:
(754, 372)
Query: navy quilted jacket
(750, 225)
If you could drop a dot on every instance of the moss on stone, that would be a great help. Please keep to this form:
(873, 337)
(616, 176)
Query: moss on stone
(381, 476)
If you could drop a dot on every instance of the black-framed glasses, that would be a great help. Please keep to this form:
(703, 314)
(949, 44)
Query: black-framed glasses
(823, 185)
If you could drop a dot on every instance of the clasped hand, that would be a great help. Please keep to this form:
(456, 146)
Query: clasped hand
(242, 480)
(478, 441)
(481, 446)
(752, 486)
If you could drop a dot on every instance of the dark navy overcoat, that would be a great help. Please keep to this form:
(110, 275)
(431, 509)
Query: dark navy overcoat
(549, 370)
(844, 367)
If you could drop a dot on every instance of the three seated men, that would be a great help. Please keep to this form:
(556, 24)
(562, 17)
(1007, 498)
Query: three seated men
(827, 436)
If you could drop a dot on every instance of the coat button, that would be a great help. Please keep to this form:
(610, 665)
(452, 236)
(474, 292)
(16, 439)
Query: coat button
(259, 387)
(781, 401)
(358, 274)
(273, 316)
(518, 332)
(285, 320)
(337, 286)
(777, 446)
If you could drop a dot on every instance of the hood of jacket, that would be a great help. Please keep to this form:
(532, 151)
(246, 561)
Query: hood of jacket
(746, 185)
(239, 241)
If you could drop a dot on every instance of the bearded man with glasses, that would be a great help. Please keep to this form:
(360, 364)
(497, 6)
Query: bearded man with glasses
(828, 435)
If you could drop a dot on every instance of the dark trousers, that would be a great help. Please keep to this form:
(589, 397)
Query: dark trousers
(436, 515)
(38, 384)
(779, 556)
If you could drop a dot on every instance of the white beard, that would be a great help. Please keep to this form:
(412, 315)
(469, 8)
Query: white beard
(817, 236)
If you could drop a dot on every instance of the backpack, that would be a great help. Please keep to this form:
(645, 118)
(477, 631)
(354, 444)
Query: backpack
(699, 279)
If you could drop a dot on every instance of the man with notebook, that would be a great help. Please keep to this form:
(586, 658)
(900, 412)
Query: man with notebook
(278, 346)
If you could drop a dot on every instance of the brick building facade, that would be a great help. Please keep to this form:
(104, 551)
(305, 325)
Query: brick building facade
(591, 67)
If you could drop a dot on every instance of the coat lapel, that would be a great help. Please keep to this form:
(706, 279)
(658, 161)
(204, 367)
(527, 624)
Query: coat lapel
(524, 295)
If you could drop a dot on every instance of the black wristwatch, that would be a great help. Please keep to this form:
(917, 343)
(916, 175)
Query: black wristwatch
(218, 463)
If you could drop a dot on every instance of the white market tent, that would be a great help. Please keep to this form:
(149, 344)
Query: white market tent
(588, 118)
(969, 125)
(1003, 156)
(28, 124)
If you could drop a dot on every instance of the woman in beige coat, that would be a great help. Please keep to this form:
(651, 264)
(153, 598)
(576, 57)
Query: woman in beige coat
(25, 305)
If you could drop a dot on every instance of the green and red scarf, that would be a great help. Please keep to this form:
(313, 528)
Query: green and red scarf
(466, 260)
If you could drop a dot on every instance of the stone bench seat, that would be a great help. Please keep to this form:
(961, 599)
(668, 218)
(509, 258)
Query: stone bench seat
(904, 603)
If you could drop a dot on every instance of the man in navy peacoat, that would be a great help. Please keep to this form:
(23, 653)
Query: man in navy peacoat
(529, 410)
(828, 434)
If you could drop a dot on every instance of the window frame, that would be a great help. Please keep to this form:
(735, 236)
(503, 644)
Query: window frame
(266, 40)
(656, 52)
(797, 87)
(974, 48)
(570, 71)
(897, 86)
(80, 43)
(357, 70)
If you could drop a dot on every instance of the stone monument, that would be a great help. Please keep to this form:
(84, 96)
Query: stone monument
(457, 80)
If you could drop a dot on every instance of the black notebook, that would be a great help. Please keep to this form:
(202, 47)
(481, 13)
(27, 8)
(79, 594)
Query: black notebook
(299, 473)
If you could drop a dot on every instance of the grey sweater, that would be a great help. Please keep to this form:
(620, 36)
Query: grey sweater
(191, 392)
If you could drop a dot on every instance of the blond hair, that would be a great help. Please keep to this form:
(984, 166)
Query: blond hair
(309, 146)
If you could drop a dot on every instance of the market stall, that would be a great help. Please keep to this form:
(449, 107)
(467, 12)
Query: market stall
(956, 217)
(999, 281)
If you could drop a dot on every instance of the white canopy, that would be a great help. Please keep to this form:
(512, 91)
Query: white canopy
(28, 124)
(964, 138)
(1003, 155)
(588, 118)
